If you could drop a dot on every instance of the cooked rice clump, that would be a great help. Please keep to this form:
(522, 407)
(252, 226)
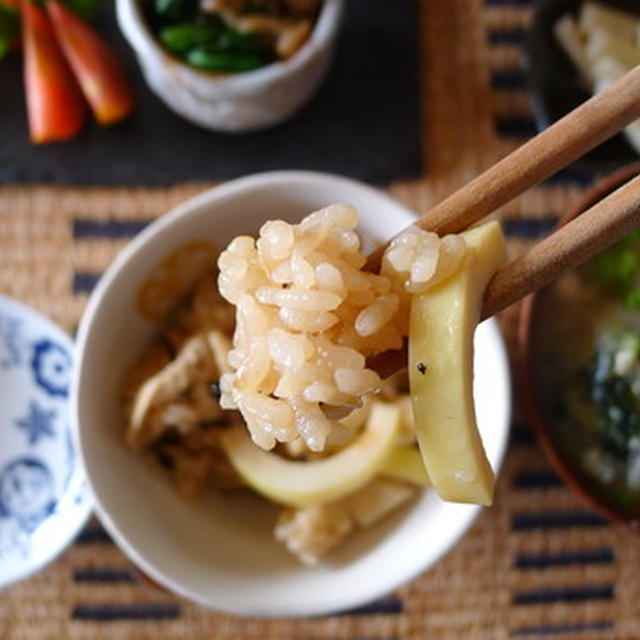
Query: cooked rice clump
(308, 316)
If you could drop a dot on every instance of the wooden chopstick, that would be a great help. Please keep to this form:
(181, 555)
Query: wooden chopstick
(584, 128)
(597, 228)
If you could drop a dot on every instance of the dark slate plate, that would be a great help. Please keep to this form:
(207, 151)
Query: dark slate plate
(554, 84)
(364, 123)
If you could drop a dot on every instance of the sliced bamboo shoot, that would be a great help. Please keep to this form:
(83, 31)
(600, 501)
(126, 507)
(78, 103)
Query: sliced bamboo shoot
(405, 463)
(595, 15)
(300, 484)
(442, 324)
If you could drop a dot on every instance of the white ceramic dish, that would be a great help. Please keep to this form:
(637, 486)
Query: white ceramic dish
(219, 552)
(239, 102)
(44, 500)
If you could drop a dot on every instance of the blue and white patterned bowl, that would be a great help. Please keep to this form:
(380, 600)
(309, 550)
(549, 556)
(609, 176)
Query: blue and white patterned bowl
(44, 499)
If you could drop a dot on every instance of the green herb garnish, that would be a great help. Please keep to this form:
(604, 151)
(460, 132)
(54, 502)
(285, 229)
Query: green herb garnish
(617, 269)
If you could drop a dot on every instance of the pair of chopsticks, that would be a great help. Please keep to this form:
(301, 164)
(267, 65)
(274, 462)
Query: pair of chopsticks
(584, 128)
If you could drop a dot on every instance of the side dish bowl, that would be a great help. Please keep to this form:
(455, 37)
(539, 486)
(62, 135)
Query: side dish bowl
(237, 102)
(554, 85)
(219, 551)
(532, 337)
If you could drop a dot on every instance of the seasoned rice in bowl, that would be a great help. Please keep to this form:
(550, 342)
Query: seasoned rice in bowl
(219, 551)
(306, 318)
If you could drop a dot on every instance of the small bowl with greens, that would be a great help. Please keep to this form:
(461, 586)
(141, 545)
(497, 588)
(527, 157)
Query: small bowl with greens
(232, 65)
(580, 347)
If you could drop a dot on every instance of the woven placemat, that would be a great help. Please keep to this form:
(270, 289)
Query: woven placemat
(537, 564)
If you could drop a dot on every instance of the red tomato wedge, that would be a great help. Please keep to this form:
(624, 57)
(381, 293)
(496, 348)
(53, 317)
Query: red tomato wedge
(55, 106)
(95, 65)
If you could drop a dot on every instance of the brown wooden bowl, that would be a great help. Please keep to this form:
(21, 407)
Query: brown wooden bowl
(529, 394)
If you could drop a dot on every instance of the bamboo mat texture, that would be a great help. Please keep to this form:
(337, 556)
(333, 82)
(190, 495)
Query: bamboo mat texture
(538, 564)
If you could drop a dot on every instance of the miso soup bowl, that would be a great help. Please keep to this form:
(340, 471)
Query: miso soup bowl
(219, 551)
(540, 417)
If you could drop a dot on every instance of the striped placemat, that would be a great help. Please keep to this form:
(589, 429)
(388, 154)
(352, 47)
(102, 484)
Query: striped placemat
(539, 564)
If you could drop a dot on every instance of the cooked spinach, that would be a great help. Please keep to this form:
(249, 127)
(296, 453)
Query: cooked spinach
(179, 38)
(211, 60)
(206, 41)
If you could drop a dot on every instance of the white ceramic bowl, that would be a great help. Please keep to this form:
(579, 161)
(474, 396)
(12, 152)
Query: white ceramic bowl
(219, 551)
(238, 102)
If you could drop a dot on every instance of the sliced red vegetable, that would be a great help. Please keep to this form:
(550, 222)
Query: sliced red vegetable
(55, 107)
(101, 76)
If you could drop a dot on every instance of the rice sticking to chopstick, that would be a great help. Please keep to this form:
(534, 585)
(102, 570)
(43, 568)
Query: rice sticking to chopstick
(308, 316)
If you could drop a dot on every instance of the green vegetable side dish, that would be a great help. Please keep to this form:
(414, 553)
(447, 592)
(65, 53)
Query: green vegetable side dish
(585, 335)
(231, 36)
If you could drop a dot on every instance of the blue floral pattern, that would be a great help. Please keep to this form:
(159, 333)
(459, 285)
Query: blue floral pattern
(10, 341)
(37, 422)
(27, 498)
(43, 496)
(51, 365)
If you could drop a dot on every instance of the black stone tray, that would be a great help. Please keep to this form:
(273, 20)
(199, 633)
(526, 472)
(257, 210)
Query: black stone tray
(364, 122)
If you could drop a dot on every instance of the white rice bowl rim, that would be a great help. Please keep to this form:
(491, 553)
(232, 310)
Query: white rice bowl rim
(427, 530)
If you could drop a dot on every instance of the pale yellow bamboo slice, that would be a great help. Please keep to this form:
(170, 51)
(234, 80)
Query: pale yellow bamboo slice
(443, 321)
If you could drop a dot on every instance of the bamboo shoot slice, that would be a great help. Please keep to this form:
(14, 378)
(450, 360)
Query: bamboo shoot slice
(405, 463)
(442, 324)
(300, 484)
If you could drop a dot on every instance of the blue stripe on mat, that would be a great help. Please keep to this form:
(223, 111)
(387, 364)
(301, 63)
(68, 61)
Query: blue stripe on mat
(528, 228)
(517, 35)
(104, 575)
(536, 479)
(555, 629)
(571, 175)
(556, 520)
(92, 534)
(111, 229)
(386, 606)
(84, 281)
(516, 127)
(544, 559)
(507, 3)
(508, 79)
(565, 594)
(111, 612)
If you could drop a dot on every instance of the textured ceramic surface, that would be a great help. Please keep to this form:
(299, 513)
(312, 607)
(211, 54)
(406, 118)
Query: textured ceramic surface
(238, 102)
(43, 496)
